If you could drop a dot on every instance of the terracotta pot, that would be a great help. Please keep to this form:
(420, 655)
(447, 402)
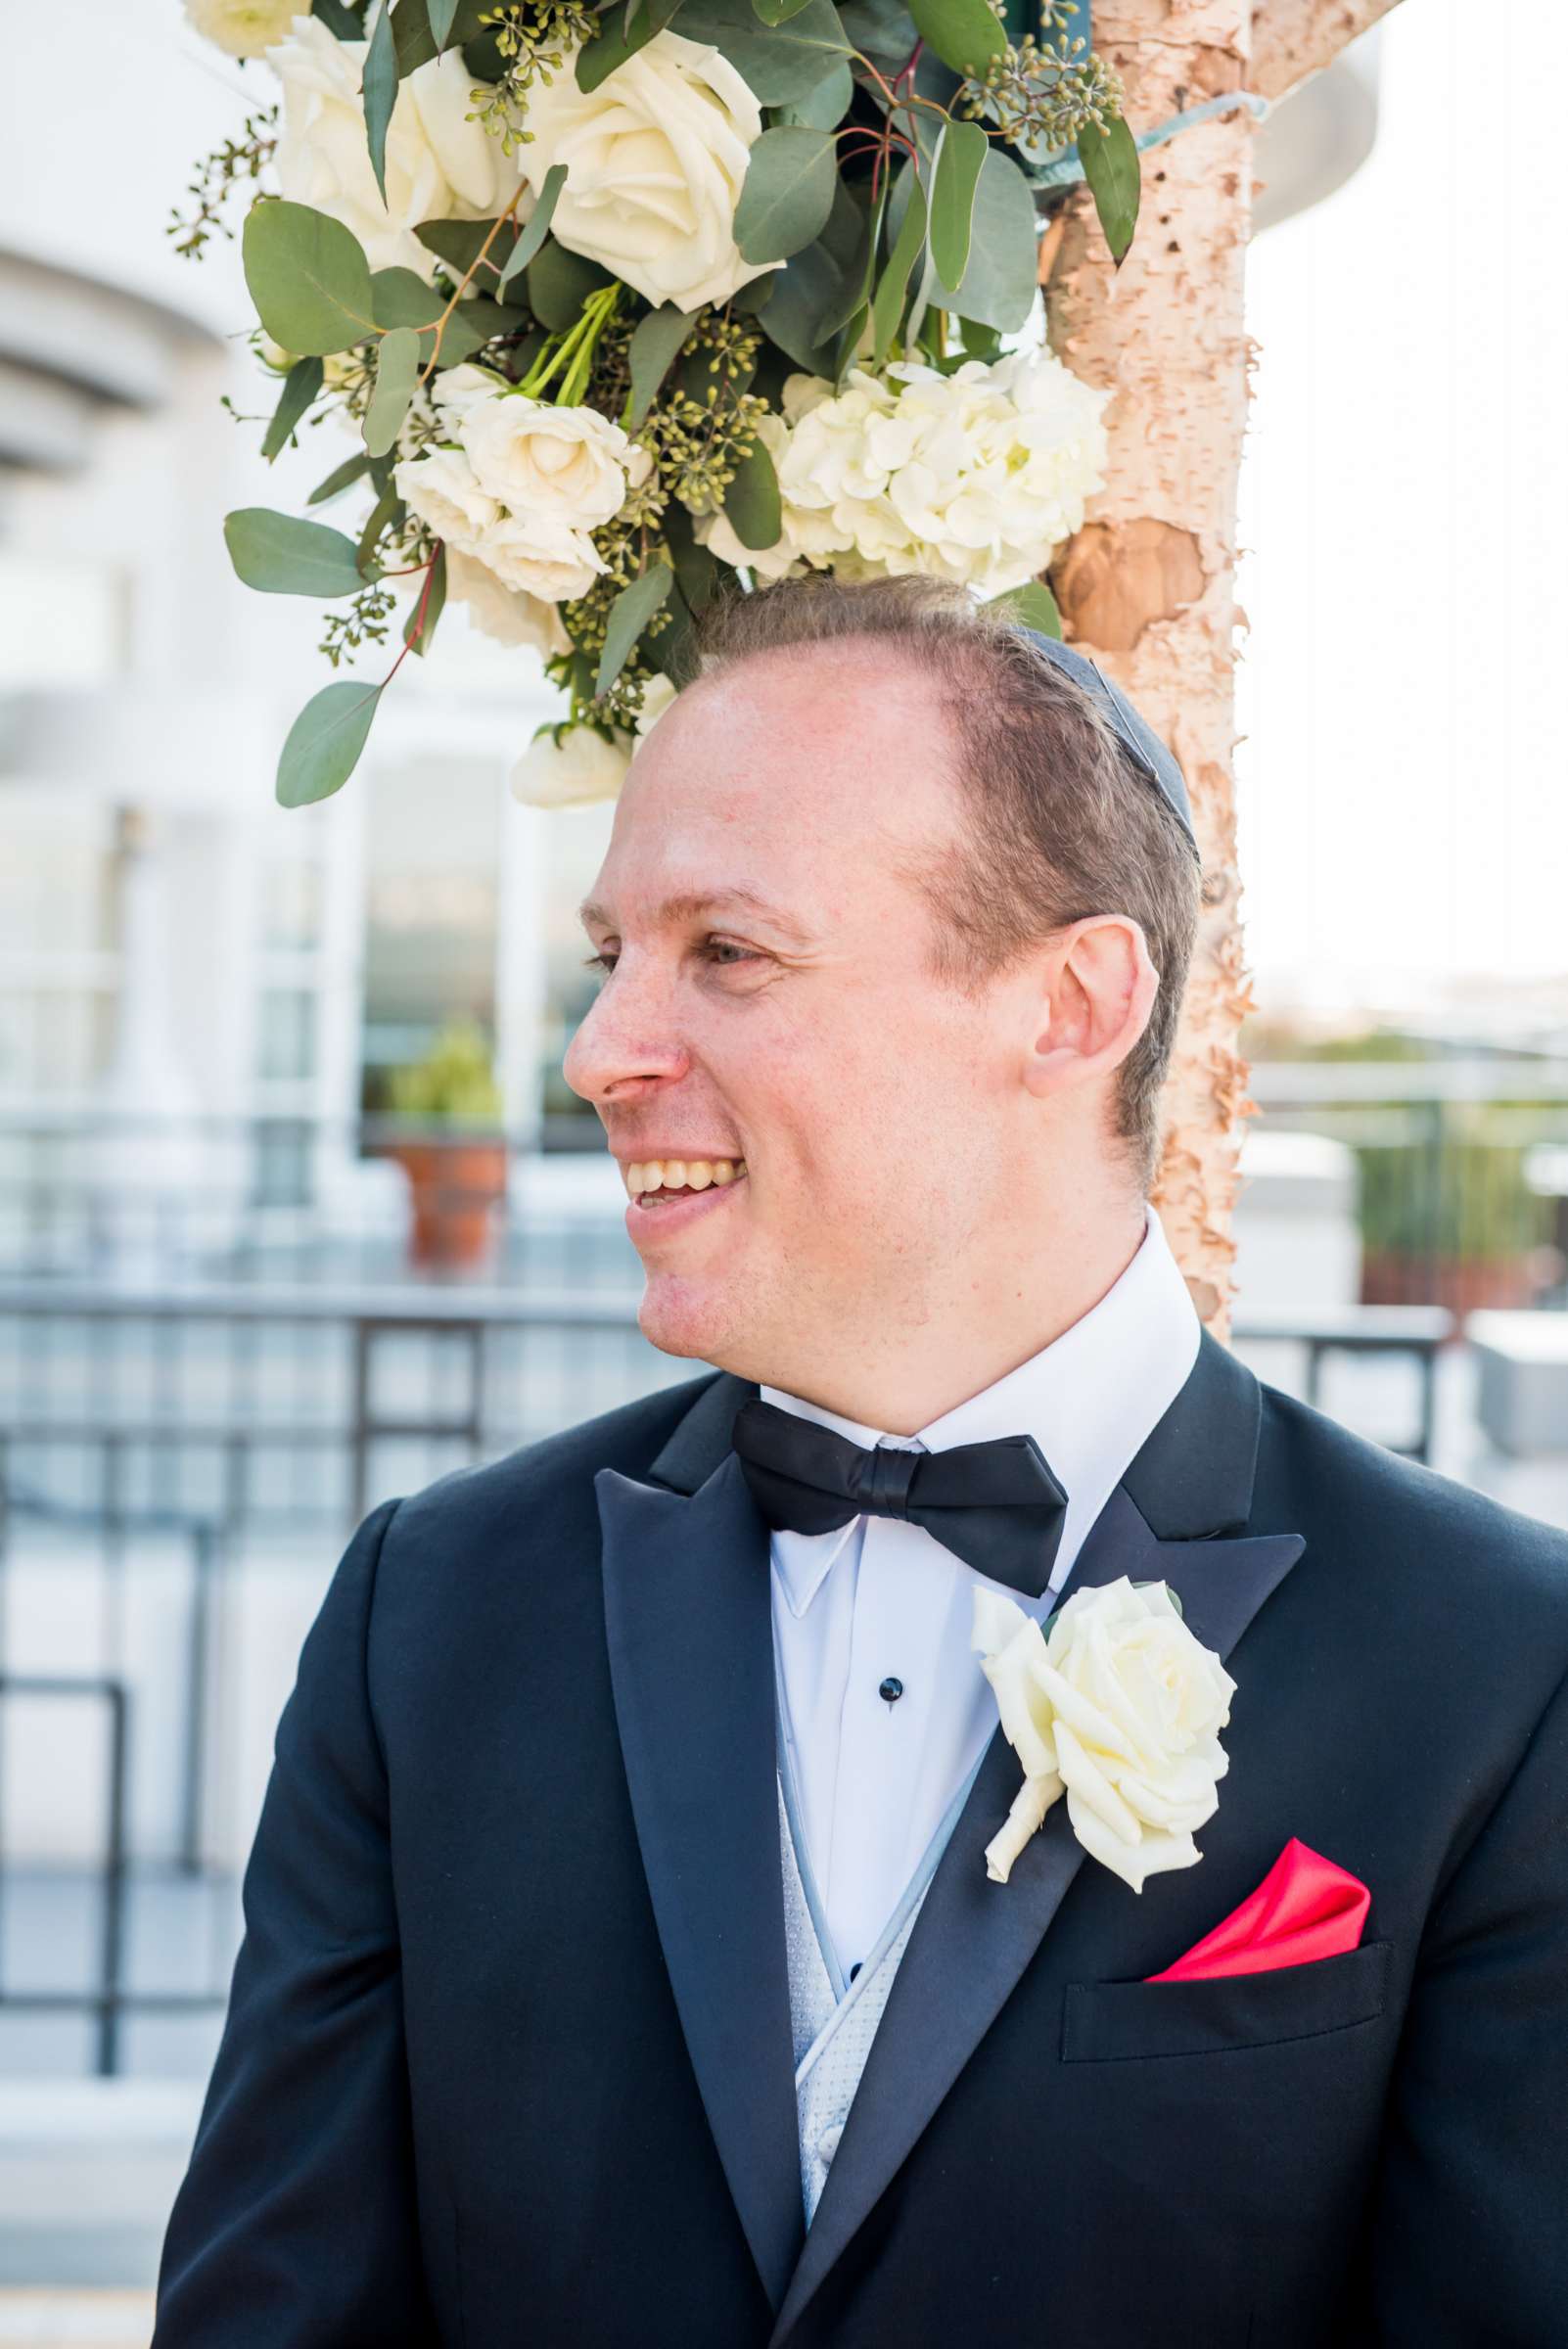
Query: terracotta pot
(453, 1190)
(1464, 1284)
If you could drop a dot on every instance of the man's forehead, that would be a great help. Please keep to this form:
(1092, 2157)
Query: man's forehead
(690, 904)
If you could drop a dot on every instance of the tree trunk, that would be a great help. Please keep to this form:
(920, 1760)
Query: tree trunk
(1147, 586)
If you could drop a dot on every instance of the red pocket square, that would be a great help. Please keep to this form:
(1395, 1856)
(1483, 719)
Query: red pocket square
(1306, 1907)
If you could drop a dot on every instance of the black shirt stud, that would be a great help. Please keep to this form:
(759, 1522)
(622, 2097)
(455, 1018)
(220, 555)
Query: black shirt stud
(891, 1690)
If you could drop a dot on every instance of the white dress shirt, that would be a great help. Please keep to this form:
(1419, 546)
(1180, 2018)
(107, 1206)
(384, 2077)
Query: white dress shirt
(881, 1597)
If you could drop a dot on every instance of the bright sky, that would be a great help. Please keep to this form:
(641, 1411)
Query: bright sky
(1403, 803)
(1403, 790)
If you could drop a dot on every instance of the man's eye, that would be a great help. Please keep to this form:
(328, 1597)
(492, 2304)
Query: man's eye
(712, 946)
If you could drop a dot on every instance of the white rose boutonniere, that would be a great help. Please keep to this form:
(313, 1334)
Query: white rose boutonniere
(1119, 1707)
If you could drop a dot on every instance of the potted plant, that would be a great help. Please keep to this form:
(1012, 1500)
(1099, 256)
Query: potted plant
(455, 1175)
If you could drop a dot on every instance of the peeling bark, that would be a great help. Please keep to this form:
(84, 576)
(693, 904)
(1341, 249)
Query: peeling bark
(1293, 39)
(1146, 586)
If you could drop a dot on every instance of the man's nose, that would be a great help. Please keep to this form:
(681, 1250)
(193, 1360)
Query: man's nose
(627, 1034)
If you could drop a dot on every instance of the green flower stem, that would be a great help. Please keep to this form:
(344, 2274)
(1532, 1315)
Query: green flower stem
(575, 351)
(576, 379)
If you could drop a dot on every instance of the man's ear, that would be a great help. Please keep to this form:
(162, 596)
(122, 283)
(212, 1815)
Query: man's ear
(1098, 990)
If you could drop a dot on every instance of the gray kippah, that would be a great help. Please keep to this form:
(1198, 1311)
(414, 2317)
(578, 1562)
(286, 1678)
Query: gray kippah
(1147, 750)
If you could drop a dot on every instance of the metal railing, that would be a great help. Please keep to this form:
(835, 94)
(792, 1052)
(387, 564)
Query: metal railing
(182, 1415)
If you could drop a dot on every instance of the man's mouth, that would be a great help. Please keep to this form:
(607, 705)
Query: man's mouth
(652, 1182)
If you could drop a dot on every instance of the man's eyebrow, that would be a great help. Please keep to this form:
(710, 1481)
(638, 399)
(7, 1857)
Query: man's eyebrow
(692, 902)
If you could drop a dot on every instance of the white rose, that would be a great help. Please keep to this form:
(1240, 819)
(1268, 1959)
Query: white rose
(456, 389)
(540, 560)
(439, 167)
(439, 485)
(1122, 1707)
(656, 696)
(242, 27)
(506, 614)
(656, 157)
(566, 467)
(582, 767)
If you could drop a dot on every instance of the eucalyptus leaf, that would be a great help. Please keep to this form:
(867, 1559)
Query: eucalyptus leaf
(655, 340)
(379, 93)
(778, 63)
(431, 602)
(560, 283)
(752, 505)
(886, 306)
(629, 615)
(1110, 161)
(668, 633)
(416, 43)
(342, 23)
(696, 569)
(1033, 605)
(325, 741)
(537, 226)
(401, 298)
(299, 387)
(442, 14)
(397, 366)
(385, 510)
(457, 244)
(341, 477)
(788, 192)
(999, 285)
(280, 555)
(598, 58)
(472, 324)
(778, 11)
(960, 159)
(808, 284)
(824, 106)
(964, 33)
(308, 276)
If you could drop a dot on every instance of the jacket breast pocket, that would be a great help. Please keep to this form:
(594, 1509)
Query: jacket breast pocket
(1109, 2022)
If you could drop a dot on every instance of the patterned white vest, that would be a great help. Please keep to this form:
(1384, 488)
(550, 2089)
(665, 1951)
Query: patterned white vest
(834, 2020)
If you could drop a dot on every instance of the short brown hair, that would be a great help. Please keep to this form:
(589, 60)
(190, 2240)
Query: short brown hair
(1060, 822)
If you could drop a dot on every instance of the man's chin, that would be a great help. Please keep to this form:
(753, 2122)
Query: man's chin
(685, 1315)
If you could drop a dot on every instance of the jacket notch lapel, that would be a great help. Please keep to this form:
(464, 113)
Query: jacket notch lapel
(973, 1938)
(688, 1622)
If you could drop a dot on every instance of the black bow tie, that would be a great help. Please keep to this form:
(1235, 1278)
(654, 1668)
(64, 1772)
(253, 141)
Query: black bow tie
(995, 1505)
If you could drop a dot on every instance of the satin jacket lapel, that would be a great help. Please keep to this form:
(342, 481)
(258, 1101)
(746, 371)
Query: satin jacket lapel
(688, 1618)
(973, 1939)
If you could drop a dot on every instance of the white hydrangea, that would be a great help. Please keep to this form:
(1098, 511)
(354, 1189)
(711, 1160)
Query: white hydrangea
(975, 477)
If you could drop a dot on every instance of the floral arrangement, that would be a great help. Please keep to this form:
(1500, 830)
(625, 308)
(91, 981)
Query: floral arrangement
(619, 301)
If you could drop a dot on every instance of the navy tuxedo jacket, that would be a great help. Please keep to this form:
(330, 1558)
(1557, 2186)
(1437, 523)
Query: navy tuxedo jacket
(507, 2058)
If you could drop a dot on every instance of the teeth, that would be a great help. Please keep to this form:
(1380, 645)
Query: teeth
(683, 1173)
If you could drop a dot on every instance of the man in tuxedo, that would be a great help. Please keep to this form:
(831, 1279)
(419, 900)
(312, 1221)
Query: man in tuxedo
(621, 1964)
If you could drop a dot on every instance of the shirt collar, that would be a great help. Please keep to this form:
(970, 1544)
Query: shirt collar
(1073, 1396)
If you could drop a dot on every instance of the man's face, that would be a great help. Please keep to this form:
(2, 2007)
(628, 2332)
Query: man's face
(874, 1108)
